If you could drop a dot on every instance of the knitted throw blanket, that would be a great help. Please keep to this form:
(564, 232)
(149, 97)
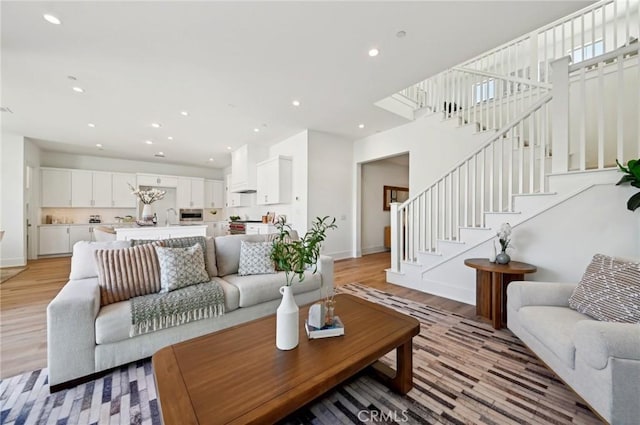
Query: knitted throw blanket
(160, 311)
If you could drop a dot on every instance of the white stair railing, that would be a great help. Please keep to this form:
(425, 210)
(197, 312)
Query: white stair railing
(512, 161)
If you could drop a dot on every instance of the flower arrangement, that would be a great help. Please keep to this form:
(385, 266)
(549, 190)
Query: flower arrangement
(147, 196)
(503, 235)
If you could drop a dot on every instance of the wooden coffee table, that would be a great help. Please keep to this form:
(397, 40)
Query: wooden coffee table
(238, 376)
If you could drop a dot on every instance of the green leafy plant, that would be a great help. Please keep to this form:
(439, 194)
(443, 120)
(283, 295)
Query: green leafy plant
(295, 256)
(632, 176)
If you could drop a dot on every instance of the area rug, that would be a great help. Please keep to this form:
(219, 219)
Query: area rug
(8, 273)
(465, 372)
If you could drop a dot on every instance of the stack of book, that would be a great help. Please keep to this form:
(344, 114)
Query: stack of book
(335, 329)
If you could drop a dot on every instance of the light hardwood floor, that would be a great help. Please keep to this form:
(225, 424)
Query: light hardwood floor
(24, 299)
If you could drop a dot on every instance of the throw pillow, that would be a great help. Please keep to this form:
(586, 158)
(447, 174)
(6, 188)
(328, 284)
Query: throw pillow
(83, 263)
(180, 267)
(208, 248)
(127, 272)
(255, 258)
(609, 290)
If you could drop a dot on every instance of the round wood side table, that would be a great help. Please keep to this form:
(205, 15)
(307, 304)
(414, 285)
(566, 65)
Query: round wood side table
(492, 280)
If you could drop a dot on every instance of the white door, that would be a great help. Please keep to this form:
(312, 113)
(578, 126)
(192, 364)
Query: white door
(55, 188)
(102, 192)
(81, 188)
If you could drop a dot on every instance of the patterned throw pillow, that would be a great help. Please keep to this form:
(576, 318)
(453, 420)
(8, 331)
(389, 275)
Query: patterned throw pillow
(255, 258)
(609, 290)
(127, 272)
(180, 267)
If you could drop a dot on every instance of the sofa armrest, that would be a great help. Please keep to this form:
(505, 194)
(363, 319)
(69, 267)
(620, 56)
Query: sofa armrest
(325, 268)
(597, 341)
(521, 294)
(71, 328)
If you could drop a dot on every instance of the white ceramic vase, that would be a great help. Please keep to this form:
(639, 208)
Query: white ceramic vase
(287, 321)
(147, 212)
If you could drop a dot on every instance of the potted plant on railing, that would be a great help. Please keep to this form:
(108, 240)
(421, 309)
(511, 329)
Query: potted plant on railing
(632, 176)
(294, 257)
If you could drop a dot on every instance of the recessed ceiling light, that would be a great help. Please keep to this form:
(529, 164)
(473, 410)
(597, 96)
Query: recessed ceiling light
(155, 125)
(360, 125)
(228, 147)
(210, 159)
(51, 19)
(256, 130)
(170, 137)
(148, 142)
(159, 155)
(374, 52)
(92, 125)
(184, 113)
(78, 89)
(99, 145)
(296, 103)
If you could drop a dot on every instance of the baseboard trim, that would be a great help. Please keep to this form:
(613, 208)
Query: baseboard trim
(374, 250)
(13, 262)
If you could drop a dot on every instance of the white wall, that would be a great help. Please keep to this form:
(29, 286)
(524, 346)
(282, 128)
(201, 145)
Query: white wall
(330, 189)
(376, 175)
(13, 250)
(87, 162)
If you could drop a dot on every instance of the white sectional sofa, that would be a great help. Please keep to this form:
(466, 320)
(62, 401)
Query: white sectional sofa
(599, 360)
(84, 338)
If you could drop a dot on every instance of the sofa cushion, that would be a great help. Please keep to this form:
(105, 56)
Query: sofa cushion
(83, 261)
(113, 322)
(255, 258)
(554, 327)
(228, 252)
(260, 288)
(127, 272)
(609, 290)
(208, 248)
(180, 267)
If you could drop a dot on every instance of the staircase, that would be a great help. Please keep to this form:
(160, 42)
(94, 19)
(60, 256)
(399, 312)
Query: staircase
(552, 136)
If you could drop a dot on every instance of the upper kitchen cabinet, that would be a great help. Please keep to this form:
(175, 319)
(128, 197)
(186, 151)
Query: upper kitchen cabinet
(56, 187)
(122, 197)
(190, 193)
(235, 199)
(243, 168)
(213, 194)
(90, 189)
(274, 181)
(157, 181)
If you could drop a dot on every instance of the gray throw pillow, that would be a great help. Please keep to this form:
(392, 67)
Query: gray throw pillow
(609, 290)
(180, 267)
(255, 258)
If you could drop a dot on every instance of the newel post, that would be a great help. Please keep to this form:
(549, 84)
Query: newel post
(395, 236)
(560, 115)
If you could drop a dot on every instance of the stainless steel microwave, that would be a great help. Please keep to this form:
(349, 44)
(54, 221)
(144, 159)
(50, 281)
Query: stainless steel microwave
(190, 215)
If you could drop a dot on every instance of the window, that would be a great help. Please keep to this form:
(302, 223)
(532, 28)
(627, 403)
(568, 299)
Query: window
(484, 91)
(587, 51)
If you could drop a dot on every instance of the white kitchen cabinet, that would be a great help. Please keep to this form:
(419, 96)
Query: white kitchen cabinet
(59, 239)
(90, 188)
(243, 167)
(190, 193)
(156, 181)
(79, 233)
(235, 199)
(159, 232)
(53, 240)
(217, 228)
(213, 194)
(274, 181)
(121, 192)
(260, 229)
(55, 187)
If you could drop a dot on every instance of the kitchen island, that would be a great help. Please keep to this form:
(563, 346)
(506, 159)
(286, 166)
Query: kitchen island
(159, 232)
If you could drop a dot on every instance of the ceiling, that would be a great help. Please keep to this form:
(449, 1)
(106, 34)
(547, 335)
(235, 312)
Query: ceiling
(233, 66)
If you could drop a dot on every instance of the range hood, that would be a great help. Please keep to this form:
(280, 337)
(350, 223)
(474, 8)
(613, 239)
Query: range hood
(244, 162)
